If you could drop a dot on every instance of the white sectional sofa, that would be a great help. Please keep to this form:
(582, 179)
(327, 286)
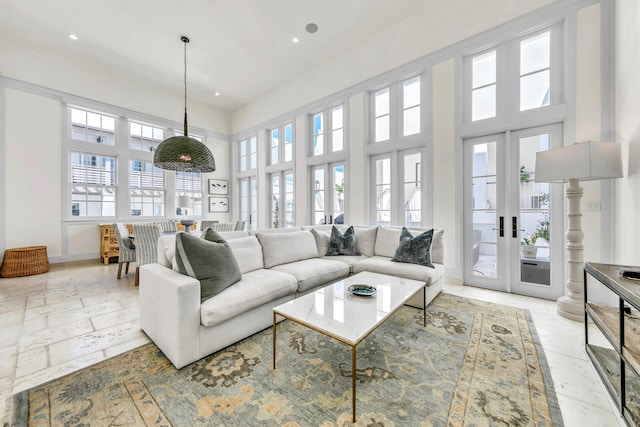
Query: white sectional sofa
(277, 266)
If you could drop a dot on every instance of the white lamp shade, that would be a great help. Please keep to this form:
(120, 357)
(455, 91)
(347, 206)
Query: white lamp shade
(582, 161)
(184, 201)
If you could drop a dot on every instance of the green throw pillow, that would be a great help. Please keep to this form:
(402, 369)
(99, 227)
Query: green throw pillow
(210, 260)
(342, 244)
(414, 250)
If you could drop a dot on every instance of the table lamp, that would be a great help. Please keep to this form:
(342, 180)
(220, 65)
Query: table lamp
(586, 161)
(184, 202)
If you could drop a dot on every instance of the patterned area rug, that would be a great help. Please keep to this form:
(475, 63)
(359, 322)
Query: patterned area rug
(475, 364)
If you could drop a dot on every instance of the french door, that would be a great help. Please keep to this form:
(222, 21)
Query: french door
(249, 202)
(512, 224)
(328, 193)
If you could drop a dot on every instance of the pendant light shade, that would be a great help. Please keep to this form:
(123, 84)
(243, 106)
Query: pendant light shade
(182, 153)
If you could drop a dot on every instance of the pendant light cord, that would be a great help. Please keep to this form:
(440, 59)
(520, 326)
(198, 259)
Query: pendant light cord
(185, 40)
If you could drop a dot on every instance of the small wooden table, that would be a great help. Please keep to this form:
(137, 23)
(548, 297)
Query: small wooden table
(336, 313)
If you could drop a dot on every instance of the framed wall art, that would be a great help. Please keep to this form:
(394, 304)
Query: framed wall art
(218, 204)
(218, 186)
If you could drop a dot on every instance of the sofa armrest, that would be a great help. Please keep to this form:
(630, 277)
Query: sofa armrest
(170, 312)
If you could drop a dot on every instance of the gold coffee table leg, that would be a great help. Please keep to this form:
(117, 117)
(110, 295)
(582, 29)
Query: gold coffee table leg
(274, 341)
(353, 382)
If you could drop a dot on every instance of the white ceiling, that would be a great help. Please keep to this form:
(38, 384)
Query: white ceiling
(240, 48)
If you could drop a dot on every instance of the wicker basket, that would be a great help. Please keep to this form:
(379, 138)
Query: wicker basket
(26, 261)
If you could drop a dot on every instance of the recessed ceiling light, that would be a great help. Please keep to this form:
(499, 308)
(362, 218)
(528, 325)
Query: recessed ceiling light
(216, 93)
(295, 40)
(73, 37)
(311, 28)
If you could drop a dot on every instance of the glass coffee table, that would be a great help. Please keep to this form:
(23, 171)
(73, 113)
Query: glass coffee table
(337, 313)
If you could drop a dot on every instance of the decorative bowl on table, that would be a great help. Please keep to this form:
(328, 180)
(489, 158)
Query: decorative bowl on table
(362, 290)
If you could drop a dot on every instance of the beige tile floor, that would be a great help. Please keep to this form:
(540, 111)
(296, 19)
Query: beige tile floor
(79, 314)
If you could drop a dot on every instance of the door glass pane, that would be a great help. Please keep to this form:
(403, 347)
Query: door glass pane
(288, 197)
(383, 191)
(412, 196)
(484, 211)
(318, 206)
(338, 194)
(244, 200)
(534, 214)
(275, 200)
(254, 203)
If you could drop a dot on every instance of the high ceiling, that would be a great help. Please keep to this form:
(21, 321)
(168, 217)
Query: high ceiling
(242, 49)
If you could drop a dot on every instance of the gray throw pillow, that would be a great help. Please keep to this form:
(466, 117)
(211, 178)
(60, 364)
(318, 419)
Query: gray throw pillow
(342, 244)
(210, 260)
(414, 250)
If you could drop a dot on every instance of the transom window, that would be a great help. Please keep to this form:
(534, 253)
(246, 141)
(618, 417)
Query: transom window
(146, 189)
(144, 137)
(535, 68)
(397, 111)
(93, 185)
(325, 142)
(281, 144)
(248, 150)
(483, 87)
(382, 115)
(93, 127)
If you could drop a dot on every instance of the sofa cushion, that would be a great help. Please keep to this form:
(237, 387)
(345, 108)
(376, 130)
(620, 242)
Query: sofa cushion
(283, 248)
(384, 265)
(366, 240)
(387, 241)
(210, 261)
(248, 253)
(256, 288)
(342, 243)
(414, 249)
(314, 272)
(350, 260)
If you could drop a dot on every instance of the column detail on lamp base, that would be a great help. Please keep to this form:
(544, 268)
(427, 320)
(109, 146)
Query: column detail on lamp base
(571, 305)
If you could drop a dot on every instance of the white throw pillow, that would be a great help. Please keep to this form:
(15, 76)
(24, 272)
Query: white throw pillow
(387, 241)
(283, 248)
(248, 253)
(366, 240)
(322, 241)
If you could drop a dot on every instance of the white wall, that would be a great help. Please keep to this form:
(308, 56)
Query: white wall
(426, 32)
(627, 70)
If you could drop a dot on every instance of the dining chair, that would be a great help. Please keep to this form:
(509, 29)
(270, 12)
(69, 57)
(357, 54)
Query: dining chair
(166, 226)
(204, 224)
(240, 225)
(126, 247)
(146, 236)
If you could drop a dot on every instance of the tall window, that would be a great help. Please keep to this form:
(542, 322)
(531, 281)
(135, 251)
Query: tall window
(483, 88)
(146, 189)
(92, 127)
(249, 201)
(535, 68)
(331, 141)
(412, 202)
(383, 190)
(144, 137)
(93, 185)
(188, 184)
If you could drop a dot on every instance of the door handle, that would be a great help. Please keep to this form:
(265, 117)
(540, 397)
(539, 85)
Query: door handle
(514, 227)
(501, 220)
(330, 219)
(250, 220)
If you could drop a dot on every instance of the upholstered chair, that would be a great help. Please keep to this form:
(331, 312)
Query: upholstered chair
(204, 224)
(126, 247)
(167, 226)
(218, 226)
(146, 245)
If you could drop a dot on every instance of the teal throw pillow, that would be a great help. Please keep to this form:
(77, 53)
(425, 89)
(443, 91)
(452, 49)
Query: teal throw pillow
(210, 260)
(414, 250)
(342, 244)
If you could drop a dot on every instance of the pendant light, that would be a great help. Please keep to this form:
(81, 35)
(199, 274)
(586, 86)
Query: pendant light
(181, 153)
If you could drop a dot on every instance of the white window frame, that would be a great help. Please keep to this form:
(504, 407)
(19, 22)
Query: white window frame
(281, 196)
(157, 192)
(328, 130)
